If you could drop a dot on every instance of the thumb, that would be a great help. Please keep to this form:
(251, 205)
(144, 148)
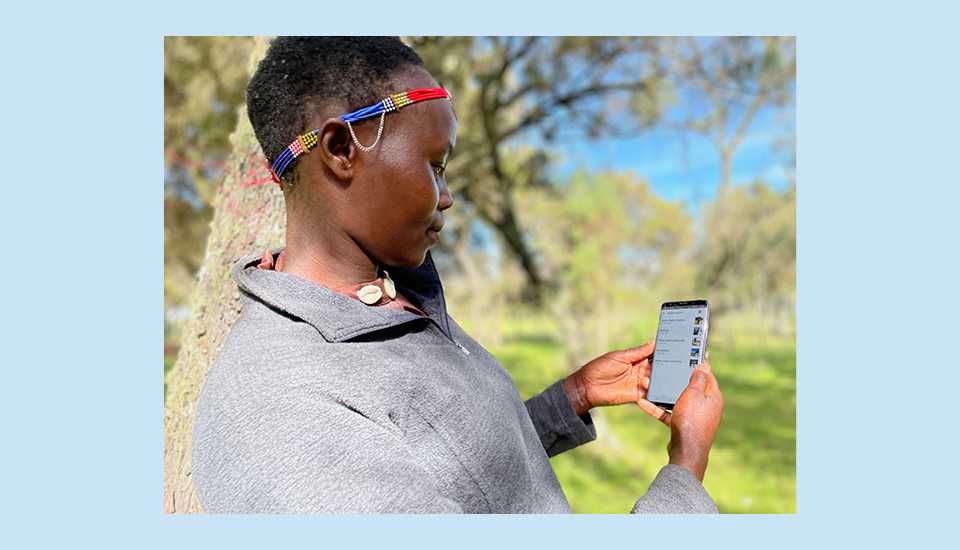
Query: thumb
(699, 380)
(713, 387)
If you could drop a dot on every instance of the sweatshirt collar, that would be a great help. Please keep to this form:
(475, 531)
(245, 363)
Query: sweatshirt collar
(335, 316)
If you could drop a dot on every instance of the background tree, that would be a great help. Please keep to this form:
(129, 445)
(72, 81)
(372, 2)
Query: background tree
(204, 79)
(753, 261)
(602, 237)
(722, 84)
(748, 255)
(249, 215)
(516, 97)
(514, 90)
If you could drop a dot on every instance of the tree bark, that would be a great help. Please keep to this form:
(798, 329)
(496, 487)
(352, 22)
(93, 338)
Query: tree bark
(250, 217)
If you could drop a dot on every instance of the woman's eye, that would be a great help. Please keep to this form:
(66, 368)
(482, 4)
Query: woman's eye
(438, 169)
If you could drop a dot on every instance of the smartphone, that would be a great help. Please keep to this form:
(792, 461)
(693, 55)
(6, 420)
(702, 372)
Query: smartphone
(681, 346)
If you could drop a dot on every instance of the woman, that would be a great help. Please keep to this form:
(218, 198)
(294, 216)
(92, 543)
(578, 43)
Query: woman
(345, 386)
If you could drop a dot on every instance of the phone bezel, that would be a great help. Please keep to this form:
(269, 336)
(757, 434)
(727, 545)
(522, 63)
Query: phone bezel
(706, 330)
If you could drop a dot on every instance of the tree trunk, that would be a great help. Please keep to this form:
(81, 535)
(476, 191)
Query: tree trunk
(249, 217)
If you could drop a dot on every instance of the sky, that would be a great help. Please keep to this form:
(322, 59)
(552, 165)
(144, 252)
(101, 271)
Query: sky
(685, 166)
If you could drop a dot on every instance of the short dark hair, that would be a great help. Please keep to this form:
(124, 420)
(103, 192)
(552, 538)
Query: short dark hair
(297, 72)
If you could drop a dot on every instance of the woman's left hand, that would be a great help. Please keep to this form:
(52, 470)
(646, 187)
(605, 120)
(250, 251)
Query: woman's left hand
(614, 378)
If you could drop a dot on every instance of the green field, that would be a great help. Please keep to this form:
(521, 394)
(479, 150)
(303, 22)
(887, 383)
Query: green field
(753, 462)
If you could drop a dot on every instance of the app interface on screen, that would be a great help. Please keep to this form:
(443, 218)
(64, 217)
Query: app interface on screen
(680, 338)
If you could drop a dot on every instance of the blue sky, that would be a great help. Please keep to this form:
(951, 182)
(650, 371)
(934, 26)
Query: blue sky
(686, 166)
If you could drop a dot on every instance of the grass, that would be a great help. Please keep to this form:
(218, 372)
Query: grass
(753, 461)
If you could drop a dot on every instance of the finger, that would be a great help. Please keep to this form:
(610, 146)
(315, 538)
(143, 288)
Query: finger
(634, 355)
(643, 387)
(654, 411)
(645, 367)
(705, 367)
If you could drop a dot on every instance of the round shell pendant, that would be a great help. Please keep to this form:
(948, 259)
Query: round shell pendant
(369, 294)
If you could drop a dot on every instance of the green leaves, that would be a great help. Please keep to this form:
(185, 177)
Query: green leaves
(749, 253)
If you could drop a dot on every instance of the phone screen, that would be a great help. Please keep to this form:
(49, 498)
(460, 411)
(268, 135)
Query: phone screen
(681, 346)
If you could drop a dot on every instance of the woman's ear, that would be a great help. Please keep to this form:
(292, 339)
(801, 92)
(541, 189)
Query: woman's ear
(336, 148)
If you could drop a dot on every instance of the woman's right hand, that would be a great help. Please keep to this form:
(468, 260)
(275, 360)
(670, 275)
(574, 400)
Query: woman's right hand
(694, 422)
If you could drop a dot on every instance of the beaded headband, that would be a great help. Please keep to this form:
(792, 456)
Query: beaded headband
(395, 102)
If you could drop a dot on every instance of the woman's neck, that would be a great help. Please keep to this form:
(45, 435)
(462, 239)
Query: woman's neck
(331, 263)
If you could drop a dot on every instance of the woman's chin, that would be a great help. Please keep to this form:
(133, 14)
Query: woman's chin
(408, 261)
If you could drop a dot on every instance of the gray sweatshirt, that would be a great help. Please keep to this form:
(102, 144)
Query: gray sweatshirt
(320, 403)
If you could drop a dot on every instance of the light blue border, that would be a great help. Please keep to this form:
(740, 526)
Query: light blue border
(877, 123)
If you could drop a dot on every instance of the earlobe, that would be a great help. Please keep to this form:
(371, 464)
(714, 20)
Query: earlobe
(336, 148)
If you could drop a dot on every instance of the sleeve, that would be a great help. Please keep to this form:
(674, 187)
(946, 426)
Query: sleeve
(316, 455)
(675, 490)
(556, 421)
